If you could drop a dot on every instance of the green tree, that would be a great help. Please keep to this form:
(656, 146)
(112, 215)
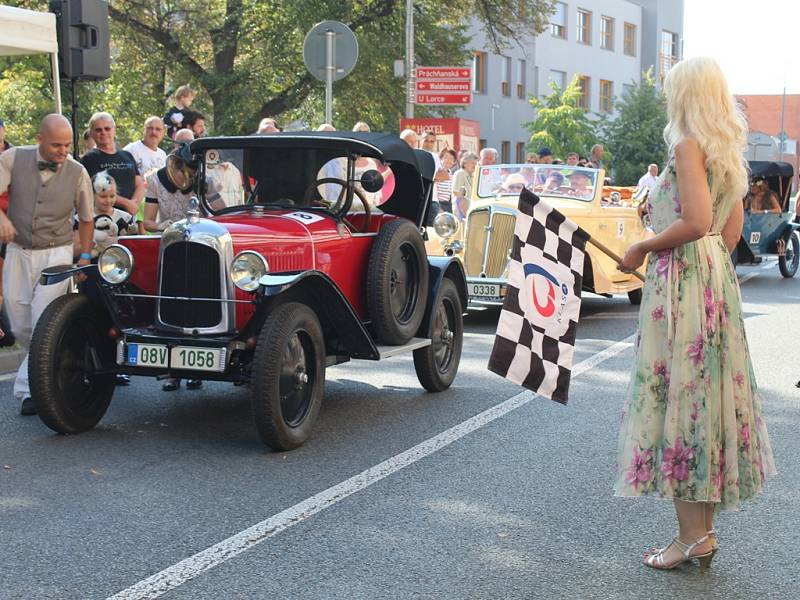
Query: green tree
(560, 123)
(636, 137)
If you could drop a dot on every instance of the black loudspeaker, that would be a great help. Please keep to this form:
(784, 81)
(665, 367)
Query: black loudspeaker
(83, 49)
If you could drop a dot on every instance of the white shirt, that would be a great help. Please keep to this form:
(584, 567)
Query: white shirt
(647, 181)
(146, 159)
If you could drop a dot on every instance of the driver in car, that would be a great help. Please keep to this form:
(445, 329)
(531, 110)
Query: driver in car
(579, 185)
(763, 199)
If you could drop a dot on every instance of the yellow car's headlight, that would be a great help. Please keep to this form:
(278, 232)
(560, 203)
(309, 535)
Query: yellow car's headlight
(247, 268)
(445, 224)
(115, 264)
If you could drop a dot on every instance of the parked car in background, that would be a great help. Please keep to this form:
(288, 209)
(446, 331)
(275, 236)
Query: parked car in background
(483, 240)
(314, 269)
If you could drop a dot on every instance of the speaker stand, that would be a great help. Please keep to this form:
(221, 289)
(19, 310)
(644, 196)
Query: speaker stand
(75, 134)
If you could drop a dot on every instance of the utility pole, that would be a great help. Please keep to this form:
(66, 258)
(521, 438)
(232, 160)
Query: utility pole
(410, 59)
(782, 134)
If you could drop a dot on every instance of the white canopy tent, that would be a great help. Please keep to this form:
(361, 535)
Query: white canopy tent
(31, 32)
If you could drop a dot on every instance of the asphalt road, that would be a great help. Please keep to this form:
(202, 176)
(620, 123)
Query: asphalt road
(511, 503)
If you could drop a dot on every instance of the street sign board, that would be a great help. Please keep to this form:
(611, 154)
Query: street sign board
(344, 51)
(443, 85)
(435, 98)
(464, 73)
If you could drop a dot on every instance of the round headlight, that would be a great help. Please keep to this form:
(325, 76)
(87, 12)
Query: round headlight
(445, 224)
(246, 269)
(115, 264)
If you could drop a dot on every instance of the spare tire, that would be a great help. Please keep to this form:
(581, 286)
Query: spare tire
(397, 282)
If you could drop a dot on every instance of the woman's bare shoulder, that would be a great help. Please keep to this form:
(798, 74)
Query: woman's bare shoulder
(688, 150)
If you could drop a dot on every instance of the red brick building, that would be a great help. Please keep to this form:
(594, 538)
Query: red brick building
(764, 114)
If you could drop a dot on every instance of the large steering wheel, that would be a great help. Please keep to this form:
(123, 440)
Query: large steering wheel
(339, 206)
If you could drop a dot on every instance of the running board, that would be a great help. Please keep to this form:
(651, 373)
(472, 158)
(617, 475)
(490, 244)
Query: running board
(413, 344)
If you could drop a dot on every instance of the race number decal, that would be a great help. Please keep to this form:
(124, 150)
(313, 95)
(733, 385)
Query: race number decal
(755, 237)
(305, 217)
(620, 229)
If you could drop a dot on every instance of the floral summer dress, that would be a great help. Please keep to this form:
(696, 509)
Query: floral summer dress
(692, 427)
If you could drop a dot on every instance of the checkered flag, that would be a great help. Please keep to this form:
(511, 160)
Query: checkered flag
(535, 339)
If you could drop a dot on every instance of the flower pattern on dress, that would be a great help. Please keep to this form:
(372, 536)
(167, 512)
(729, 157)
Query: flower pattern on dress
(692, 369)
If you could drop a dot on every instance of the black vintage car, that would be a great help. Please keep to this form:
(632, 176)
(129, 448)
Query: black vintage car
(300, 252)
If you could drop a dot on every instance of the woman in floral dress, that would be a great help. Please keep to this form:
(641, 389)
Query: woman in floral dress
(692, 428)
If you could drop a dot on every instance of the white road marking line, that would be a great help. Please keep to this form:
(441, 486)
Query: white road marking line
(189, 568)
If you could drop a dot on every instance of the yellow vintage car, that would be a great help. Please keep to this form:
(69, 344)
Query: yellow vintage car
(483, 239)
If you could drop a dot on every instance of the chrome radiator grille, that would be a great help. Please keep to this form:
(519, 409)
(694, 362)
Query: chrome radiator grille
(494, 229)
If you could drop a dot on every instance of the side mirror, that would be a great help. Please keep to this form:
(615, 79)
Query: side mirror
(371, 180)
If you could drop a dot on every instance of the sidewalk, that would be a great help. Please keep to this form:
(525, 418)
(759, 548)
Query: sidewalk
(11, 358)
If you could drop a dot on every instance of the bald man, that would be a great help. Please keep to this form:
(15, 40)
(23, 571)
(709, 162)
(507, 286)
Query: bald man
(46, 187)
(146, 153)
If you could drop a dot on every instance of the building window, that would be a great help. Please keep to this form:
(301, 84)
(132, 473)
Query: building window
(558, 21)
(481, 144)
(521, 78)
(520, 152)
(607, 33)
(559, 78)
(606, 96)
(479, 72)
(627, 89)
(584, 99)
(505, 152)
(669, 54)
(506, 83)
(584, 27)
(630, 39)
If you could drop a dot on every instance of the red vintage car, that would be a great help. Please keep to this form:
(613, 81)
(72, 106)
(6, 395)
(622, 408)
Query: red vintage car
(289, 260)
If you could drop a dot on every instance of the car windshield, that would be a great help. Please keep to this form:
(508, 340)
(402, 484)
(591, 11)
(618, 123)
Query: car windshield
(306, 177)
(559, 181)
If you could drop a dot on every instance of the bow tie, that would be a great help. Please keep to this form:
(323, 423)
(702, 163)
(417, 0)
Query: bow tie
(46, 164)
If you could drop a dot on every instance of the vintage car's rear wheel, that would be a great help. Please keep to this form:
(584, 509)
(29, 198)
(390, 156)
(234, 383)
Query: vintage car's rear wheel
(635, 297)
(288, 376)
(397, 282)
(789, 261)
(437, 364)
(69, 394)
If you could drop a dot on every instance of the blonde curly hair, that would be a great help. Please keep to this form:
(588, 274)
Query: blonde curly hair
(699, 105)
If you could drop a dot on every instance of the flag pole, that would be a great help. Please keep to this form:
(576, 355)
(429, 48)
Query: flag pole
(608, 252)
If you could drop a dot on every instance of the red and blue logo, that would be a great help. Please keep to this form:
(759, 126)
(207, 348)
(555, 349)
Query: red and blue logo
(545, 304)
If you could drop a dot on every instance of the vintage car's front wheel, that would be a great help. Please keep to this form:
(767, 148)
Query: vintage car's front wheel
(288, 376)
(437, 364)
(68, 347)
(635, 297)
(787, 264)
(397, 282)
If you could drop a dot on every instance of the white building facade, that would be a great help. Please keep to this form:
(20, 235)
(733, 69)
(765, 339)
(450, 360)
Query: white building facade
(607, 43)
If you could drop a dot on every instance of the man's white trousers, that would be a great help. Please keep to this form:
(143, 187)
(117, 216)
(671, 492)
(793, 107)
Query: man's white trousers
(26, 298)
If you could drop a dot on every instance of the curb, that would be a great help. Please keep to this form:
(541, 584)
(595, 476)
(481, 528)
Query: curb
(11, 359)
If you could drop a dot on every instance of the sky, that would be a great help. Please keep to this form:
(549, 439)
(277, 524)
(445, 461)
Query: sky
(757, 44)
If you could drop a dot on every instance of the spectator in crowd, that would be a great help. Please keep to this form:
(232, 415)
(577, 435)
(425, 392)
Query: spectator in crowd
(488, 157)
(87, 143)
(409, 136)
(531, 158)
(120, 164)
(145, 151)
(184, 96)
(462, 184)
(361, 126)
(182, 137)
(326, 127)
(443, 190)
(46, 187)
(267, 125)
(196, 121)
(572, 159)
(545, 156)
(596, 159)
(648, 180)
(4, 145)
(583, 161)
(109, 222)
(429, 142)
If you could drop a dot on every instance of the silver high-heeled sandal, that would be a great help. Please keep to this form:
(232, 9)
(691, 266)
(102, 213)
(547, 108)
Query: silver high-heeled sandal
(656, 561)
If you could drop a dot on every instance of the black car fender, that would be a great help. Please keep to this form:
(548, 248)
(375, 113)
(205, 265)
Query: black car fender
(344, 332)
(439, 269)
